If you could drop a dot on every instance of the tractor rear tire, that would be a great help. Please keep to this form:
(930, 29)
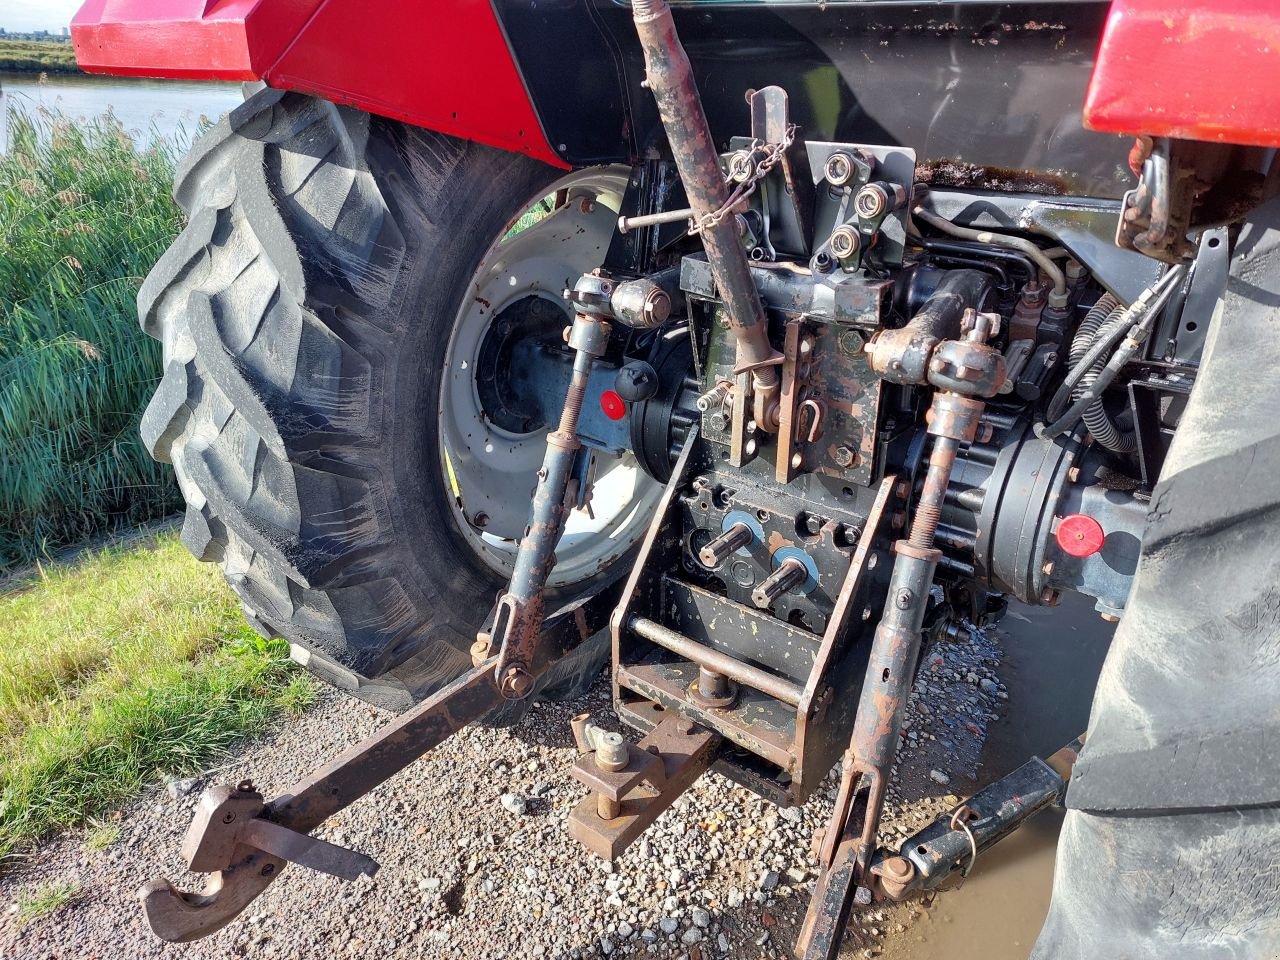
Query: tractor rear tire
(305, 312)
(1171, 843)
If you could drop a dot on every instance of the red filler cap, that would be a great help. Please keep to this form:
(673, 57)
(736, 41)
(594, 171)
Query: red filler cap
(1080, 535)
(614, 407)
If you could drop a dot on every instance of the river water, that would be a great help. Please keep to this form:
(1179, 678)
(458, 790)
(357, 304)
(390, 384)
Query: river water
(149, 109)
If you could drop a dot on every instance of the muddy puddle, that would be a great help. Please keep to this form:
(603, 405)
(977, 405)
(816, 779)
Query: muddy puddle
(1052, 660)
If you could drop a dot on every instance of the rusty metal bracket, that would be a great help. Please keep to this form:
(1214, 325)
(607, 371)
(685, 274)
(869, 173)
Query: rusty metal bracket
(245, 843)
(666, 763)
(789, 458)
(230, 817)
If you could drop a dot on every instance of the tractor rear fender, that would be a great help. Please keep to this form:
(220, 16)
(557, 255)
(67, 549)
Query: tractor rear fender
(447, 67)
(561, 81)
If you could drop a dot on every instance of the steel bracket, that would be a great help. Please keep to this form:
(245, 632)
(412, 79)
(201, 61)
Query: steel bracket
(664, 764)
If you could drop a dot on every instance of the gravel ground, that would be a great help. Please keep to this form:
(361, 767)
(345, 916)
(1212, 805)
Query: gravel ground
(475, 860)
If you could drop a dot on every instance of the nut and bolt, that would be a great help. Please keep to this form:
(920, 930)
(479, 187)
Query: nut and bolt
(1047, 568)
(612, 753)
(517, 683)
(843, 456)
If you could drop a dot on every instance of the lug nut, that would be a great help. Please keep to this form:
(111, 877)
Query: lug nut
(790, 574)
(719, 549)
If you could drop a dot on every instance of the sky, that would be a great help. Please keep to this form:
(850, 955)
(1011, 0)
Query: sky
(21, 16)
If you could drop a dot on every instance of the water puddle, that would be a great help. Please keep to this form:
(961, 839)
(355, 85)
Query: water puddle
(1052, 660)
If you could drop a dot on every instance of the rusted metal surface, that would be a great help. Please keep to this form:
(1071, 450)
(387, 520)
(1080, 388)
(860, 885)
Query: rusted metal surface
(651, 540)
(245, 871)
(849, 844)
(961, 173)
(306, 851)
(829, 905)
(756, 722)
(517, 622)
(684, 750)
(641, 766)
(738, 630)
(789, 459)
(789, 574)
(211, 838)
(954, 841)
(670, 78)
(714, 660)
(929, 506)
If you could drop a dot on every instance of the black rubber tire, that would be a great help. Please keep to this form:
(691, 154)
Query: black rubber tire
(1172, 837)
(305, 313)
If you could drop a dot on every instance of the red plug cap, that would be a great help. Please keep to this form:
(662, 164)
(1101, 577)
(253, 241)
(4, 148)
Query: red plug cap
(1079, 535)
(614, 407)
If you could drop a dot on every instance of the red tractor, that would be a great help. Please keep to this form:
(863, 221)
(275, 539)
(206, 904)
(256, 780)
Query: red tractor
(811, 333)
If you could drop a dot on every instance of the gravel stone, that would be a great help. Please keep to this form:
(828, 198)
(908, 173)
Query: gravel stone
(710, 869)
(514, 803)
(177, 789)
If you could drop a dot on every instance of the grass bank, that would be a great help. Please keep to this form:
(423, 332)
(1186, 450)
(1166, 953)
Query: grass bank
(83, 216)
(131, 664)
(38, 56)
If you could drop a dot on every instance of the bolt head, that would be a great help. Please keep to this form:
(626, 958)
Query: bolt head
(516, 683)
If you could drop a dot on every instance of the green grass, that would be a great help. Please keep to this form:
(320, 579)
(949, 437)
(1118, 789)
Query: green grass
(35, 56)
(83, 216)
(100, 835)
(127, 666)
(41, 901)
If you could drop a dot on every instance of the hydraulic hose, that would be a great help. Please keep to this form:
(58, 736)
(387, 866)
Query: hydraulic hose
(1051, 269)
(1137, 320)
(1093, 321)
(1097, 421)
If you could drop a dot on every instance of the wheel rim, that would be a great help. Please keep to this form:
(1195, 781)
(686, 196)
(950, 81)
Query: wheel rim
(491, 469)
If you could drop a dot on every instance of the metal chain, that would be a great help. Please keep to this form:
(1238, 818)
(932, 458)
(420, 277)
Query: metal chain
(772, 154)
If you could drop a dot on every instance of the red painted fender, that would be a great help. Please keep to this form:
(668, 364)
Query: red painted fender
(1189, 69)
(447, 67)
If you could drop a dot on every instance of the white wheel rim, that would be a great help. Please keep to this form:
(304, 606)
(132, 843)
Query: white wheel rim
(492, 472)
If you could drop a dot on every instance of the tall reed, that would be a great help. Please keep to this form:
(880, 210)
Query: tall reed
(84, 213)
